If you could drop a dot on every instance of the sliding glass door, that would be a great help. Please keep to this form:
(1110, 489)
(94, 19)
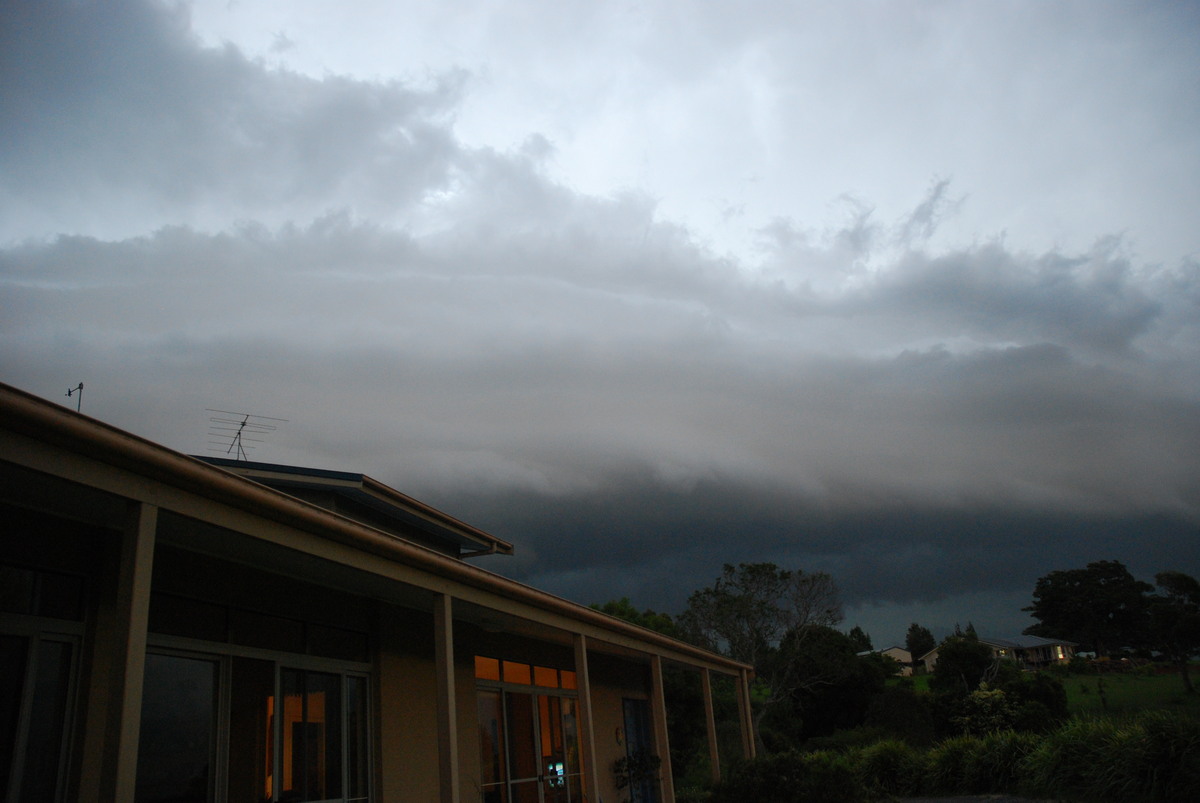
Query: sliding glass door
(232, 728)
(530, 747)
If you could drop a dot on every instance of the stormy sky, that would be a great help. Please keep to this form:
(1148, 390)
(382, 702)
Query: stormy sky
(907, 292)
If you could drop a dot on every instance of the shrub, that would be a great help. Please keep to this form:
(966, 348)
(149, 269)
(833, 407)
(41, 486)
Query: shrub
(846, 740)
(903, 712)
(950, 764)
(693, 794)
(1154, 756)
(1068, 759)
(985, 711)
(891, 768)
(1163, 761)
(1039, 702)
(998, 765)
(822, 777)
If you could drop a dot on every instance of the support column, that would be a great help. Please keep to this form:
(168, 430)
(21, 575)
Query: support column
(447, 706)
(587, 734)
(710, 723)
(662, 741)
(747, 714)
(113, 718)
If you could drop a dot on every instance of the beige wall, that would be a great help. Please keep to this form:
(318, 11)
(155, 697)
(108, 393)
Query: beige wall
(407, 707)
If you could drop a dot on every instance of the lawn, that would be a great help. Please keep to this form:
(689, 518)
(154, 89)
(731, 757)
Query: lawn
(1126, 692)
(1123, 692)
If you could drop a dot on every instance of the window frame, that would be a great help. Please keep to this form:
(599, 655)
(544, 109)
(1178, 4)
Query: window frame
(224, 653)
(535, 692)
(37, 629)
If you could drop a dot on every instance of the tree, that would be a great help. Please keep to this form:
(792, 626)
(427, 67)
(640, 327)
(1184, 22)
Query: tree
(918, 642)
(862, 642)
(1175, 614)
(651, 620)
(962, 664)
(1101, 606)
(848, 683)
(747, 613)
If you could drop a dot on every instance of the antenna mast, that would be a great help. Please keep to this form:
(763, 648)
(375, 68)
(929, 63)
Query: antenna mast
(78, 402)
(229, 432)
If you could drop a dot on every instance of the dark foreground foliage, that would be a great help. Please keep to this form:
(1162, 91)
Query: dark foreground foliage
(1153, 756)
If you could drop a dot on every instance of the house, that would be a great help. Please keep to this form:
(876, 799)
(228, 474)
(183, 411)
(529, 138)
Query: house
(1029, 652)
(173, 629)
(1032, 652)
(902, 657)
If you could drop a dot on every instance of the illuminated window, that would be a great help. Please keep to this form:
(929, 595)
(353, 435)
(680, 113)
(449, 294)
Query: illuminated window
(517, 673)
(529, 746)
(487, 668)
(545, 676)
(523, 674)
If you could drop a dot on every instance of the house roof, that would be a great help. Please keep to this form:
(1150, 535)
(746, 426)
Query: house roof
(1015, 643)
(395, 507)
(1025, 642)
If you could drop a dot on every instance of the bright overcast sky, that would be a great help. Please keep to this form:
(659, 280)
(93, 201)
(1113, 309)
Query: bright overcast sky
(908, 292)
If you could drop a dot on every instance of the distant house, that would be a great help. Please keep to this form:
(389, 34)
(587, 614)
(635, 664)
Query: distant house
(1028, 652)
(1033, 652)
(899, 654)
(221, 631)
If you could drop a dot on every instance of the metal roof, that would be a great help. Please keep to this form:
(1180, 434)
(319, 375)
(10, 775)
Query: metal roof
(395, 506)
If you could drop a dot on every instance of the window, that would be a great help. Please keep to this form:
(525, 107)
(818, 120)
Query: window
(233, 728)
(40, 626)
(638, 748)
(528, 733)
(174, 615)
(177, 746)
(523, 674)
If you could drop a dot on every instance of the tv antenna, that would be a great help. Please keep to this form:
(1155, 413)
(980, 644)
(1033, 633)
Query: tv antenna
(229, 432)
(78, 389)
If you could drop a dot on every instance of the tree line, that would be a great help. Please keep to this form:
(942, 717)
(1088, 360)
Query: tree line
(811, 680)
(1106, 610)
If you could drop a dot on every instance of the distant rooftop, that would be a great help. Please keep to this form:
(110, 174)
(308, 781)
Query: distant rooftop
(370, 502)
(1024, 642)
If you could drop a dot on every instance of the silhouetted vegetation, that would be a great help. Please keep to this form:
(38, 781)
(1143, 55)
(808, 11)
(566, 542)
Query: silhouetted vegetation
(1150, 757)
(836, 723)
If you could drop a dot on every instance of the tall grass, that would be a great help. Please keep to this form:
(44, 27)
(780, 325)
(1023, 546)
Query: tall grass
(1146, 757)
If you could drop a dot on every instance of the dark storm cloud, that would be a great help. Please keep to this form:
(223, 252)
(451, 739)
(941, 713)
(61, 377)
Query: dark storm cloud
(574, 372)
(653, 544)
